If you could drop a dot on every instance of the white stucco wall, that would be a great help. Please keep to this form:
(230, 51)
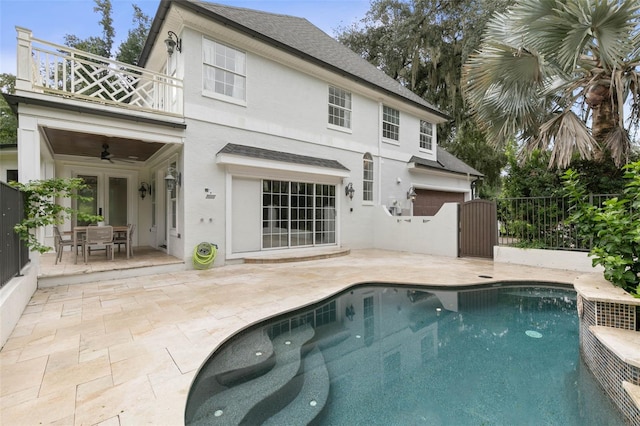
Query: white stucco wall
(286, 110)
(14, 297)
(557, 259)
(435, 235)
(8, 161)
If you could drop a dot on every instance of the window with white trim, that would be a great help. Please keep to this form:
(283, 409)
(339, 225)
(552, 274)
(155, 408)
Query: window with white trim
(390, 123)
(339, 107)
(426, 135)
(367, 177)
(224, 70)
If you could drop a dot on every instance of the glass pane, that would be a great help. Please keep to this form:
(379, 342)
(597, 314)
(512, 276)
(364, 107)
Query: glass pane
(118, 201)
(91, 206)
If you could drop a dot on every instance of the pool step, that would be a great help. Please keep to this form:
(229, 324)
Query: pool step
(232, 406)
(634, 393)
(312, 397)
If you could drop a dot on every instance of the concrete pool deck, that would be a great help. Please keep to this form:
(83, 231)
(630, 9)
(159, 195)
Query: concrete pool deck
(124, 352)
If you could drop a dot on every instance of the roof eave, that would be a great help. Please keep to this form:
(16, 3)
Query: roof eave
(163, 9)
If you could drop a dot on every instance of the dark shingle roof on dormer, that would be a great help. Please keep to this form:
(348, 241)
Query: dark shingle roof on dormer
(447, 163)
(298, 36)
(286, 157)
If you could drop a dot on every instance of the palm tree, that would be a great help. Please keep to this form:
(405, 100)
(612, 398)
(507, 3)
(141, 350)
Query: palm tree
(548, 69)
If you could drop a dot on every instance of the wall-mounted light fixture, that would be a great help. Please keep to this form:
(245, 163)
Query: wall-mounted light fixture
(144, 188)
(411, 194)
(172, 180)
(350, 312)
(173, 42)
(349, 191)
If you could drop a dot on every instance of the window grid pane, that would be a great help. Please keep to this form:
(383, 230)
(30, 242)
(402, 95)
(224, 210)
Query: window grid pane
(390, 123)
(339, 107)
(297, 214)
(426, 135)
(224, 70)
(367, 178)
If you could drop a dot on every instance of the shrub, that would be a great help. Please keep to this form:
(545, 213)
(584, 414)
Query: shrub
(42, 209)
(614, 228)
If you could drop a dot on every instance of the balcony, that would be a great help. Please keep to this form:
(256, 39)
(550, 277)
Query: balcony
(54, 69)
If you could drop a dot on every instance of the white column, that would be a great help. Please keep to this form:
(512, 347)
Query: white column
(24, 68)
(28, 149)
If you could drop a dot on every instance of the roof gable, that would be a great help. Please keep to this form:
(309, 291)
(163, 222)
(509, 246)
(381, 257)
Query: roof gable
(300, 37)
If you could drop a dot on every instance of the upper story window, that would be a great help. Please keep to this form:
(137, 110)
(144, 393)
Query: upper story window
(390, 123)
(367, 177)
(224, 70)
(339, 107)
(426, 135)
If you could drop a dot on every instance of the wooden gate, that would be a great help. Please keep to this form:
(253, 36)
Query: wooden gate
(478, 228)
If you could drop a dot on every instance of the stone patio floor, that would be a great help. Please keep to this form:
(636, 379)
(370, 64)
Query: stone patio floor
(124, 352)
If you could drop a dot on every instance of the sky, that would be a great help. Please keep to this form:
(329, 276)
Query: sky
(51, 20)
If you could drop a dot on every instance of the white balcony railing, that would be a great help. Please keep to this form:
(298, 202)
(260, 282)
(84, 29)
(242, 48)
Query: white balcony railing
(52, 68)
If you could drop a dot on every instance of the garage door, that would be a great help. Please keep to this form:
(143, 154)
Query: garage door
(428, 201)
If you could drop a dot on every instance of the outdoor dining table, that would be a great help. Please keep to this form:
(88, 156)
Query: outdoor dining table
(78, 231)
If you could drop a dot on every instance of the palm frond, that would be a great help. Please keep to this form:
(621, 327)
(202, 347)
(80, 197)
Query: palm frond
(619, 145)
(566, 134)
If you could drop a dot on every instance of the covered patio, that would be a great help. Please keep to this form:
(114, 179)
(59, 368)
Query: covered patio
(145, 261)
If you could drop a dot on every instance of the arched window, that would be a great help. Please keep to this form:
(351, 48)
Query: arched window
(367, 177)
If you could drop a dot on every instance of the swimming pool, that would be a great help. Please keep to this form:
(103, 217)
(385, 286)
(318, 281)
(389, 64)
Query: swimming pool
(385, 354)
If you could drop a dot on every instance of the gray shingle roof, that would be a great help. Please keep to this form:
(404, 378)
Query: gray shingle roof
(447, 163)
(267, 154)
(300, 37)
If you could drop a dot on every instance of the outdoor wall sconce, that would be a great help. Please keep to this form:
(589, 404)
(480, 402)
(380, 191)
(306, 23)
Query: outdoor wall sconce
(350, 312)
(144, 188)
(411, 194)
(171, 180)
(349, 191)
(173, 42)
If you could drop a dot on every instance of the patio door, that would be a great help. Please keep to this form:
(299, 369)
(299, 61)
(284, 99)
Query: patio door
(110, 197)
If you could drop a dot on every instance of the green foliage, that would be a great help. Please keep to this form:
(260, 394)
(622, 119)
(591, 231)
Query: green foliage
(130, 49)
(614, 227)
(8, 120)
(43, 209)
(559, 75)
(534, 179)
(422, 44)
(100, 45)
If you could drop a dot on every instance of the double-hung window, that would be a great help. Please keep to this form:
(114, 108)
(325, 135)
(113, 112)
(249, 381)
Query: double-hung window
(339, 107)
(390, 123)
(224, 70)
(426, 135)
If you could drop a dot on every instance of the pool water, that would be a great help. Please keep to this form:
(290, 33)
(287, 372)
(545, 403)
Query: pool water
(393, 355)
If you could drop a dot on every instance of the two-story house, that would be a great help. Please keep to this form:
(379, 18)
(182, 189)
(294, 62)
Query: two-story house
(251, 130)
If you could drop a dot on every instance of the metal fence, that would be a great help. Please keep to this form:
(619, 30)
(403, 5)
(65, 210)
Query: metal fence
(14, 253)
(542, 222)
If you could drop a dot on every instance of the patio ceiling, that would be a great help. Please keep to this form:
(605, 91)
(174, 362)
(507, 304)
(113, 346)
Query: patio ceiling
(64, 142)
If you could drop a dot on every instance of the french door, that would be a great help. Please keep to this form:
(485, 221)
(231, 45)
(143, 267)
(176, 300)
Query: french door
(109, 195)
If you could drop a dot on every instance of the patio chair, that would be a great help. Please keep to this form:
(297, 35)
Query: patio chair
(98, 236)
(126, 239)
(60, 243)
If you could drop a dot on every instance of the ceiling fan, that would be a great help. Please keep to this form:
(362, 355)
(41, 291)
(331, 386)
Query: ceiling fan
(105, 155)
